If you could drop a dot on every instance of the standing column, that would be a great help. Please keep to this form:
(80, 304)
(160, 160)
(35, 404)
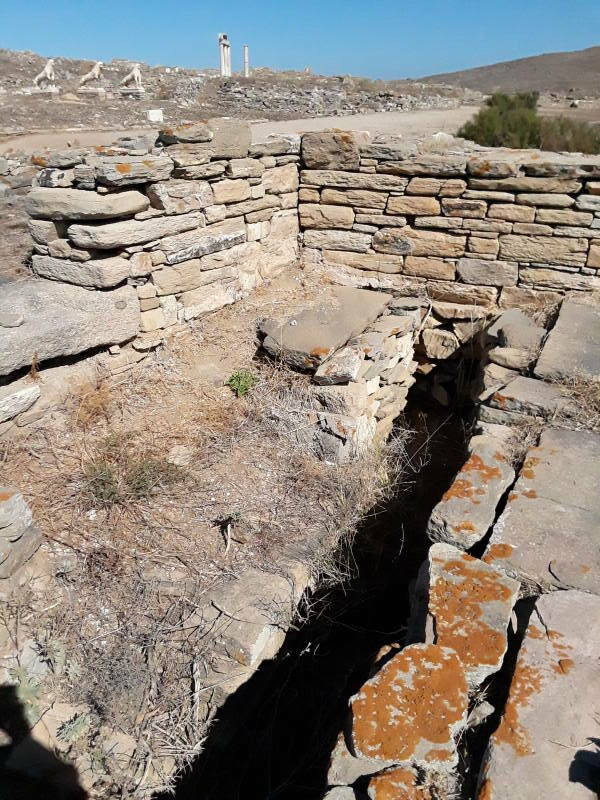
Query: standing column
(246, 62)
(228, 58)
(222, 55)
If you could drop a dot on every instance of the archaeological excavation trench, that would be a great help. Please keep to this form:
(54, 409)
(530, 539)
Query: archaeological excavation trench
(321, 420)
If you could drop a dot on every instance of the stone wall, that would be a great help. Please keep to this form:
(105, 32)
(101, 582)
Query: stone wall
(482, 230)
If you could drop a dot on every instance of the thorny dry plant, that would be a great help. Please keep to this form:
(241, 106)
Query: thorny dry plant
(137, 542)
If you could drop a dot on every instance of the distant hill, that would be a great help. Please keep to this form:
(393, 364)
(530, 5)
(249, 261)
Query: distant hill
(552, 72)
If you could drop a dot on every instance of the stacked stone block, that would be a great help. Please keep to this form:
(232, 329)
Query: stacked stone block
(477, 230)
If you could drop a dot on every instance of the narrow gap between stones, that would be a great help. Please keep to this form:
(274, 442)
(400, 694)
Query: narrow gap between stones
(274, 736)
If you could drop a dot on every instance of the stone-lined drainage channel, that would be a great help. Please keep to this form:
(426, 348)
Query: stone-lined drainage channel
(274, 737)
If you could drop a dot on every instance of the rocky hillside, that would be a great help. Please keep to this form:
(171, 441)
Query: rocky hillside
(578, 70)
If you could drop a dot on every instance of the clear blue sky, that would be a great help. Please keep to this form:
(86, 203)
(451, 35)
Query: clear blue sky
(376, 38)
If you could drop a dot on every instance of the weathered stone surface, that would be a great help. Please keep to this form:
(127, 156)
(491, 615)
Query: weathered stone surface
(432, 243)
(338, 240)
(15, 515)
(101, 273)
(16, 398)
(14, 556)
(313, 215)
(482, 167)
(367, 261)
(127, 170)
(244, 168)
(439, 343)
(330, 150)
(59, 204)
(542, 746)
(382, 220)
(429, 268)
(470, 604)
(512, 296)
(352, 180)
(532, 397)
(511, 212)
(281, 180)
(588, 202)
(231, 191)
(277, 145)
(131, 232)
(248, 207)
(181, 197)
(556, 279)
(548, 532)
(434, 166)
(187, 132)
(62, 320)
(540, 185)
(461, 293)
(387, 147)
(231, 137)
(342, 367)
(434, 186)
(361, 198)
(519, 358)
(311, 337)
(546, 200)
(410, 711)
(454, 311)
(490, 273)
(201, 171)
(563, 216)
(187, 276)
(205, 299)
(544, 249)
(468, 209)
(55, 178)
(468, 508)
(594, 256)
(423, 206)
(204, 241)
(573, 346)
(481, 246)
(392, 241)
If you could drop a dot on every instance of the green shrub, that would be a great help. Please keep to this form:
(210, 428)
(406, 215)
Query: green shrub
(513, 121)
(241, 381)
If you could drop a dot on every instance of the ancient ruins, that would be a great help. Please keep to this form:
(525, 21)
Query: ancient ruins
(436, 278)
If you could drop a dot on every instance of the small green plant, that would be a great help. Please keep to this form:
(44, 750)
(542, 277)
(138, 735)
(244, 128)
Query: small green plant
(73, 729)
(145, 473)
(241, 381)
(102, 482)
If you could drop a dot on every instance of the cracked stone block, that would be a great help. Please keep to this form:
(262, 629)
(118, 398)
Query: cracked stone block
(573, 347)
(341, 367)
(549, 533)
(467, 510)
(468, 604)
(546, 745)
(533, 397)
(411, 710)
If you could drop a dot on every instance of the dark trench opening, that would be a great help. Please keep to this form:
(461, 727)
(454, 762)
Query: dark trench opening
(273, 738)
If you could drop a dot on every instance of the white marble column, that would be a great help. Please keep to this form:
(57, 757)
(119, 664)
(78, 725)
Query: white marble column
(246, 62)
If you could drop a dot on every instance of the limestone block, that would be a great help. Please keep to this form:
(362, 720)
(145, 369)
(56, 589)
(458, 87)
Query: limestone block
(470, 604)
(588, 202)
(71, 204)
(513, 297)
(594, 256)
(468, 209)
(381, 220)
(188, 156)
(281, 180)
(423, 206)
(342, 367)
(203, 241)
(231, 137)
(429, 268)
(16, 398)
(205, 299)
(454, 311)
(244, 168)
(564, 186)
(231, 191)
(439, 343)
(555, 279)
(511, 212)
(434, 166)
(392, 241)
(141, 264)
(152, 320)
(350, 399)
(188, 132)
(277, 145)
(560, 216)
(62, 320)
(352, 180)
(189, 275)
(482, 167)
(553, 697)
(488, 247)
(571, 349)
(44, 231)
(532, 397)
(309, 195)
(181, 197)
(100, 273)
(325, 216)
(493, 197)
(517, 358)
(432, 243)
(488, 273)
(547, 200)
(201, 171)
(330, 150)
(55, 178)
(127, 170)
(338, 240)
(365, 261)
(460, 293)
(360, 198)
(544, 249)
(467, 510)
(284, 226)
(131, 232)
(411, 710)
(253, 206)
(444, 223)
(216, 213)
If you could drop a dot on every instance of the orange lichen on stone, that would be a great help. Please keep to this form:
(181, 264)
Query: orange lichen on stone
(5, 496)
(457, 603)
(39, 161)
(476, 464)
(438, 755)
(527, 470)
(123, 168)
(464, 526)
(485, 792)
(499, 457)
(398, 784)
(410, 707)
(512, 496)
(530, 493)
(499, 399)
(564, 666)
(319, 351)
(497, 551)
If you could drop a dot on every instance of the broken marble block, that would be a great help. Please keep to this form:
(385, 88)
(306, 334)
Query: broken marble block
(467, 510)
(548, 533)
(19, 539)
(546, 745)
(467, 606)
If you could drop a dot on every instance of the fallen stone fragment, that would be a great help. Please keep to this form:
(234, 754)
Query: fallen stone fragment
(572, 349)
(131, 232)
(516, 358)
(547, 536)
(16, 398)
(411, 710)
(309, 338)
(62, 320)
(533, 397)
(342, 367)
(470, 604)
(99, 273)
(467, 510)
(546, 743)
(58, 204)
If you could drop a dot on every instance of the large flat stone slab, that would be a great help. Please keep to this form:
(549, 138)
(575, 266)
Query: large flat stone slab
(573, 346)
(132, 231)
(310, 337)
(63, 320)
(549, 533)
(470, 605)
(531, 396)
(58, 204)
(546, 743)
(467, 510)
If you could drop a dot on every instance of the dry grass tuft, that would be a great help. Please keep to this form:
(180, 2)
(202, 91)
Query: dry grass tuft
(525, 435)
(583, 410)
(93, 403)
